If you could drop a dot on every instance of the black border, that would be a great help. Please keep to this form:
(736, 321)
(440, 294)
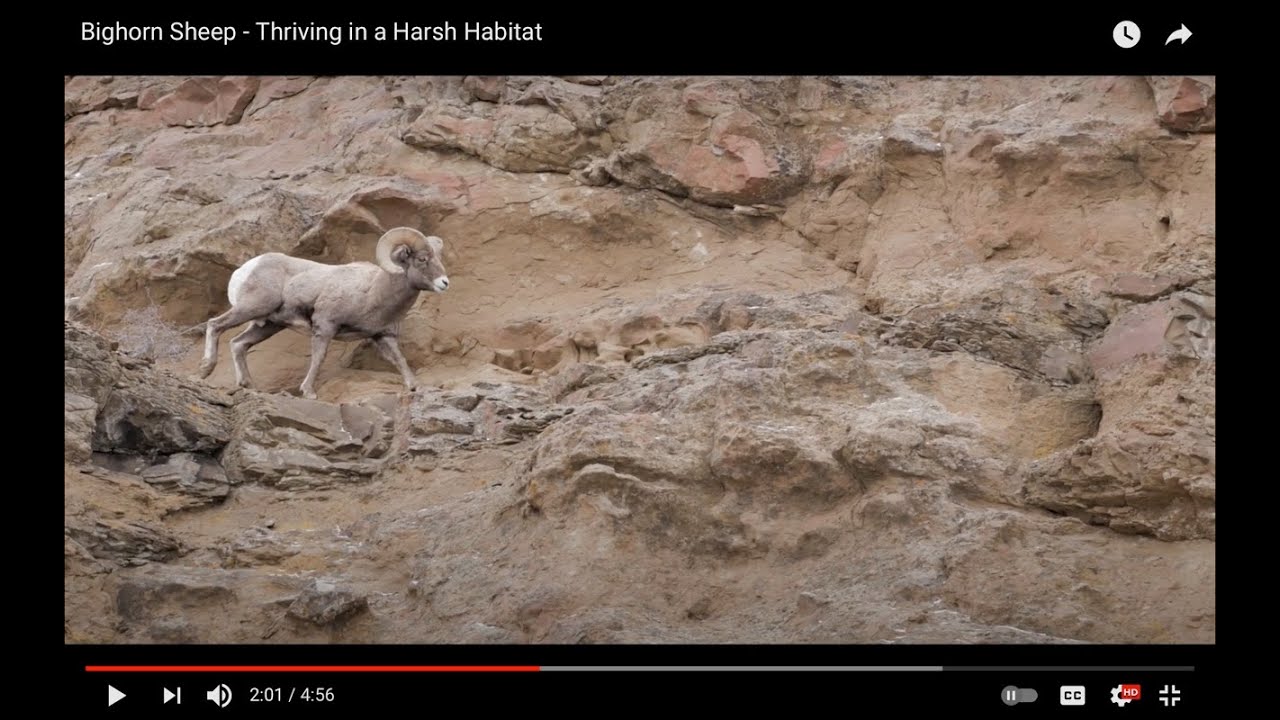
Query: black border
(863, 40)
(955, 41)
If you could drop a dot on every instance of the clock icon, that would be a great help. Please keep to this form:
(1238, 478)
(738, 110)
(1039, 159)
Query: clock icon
(1126, 34)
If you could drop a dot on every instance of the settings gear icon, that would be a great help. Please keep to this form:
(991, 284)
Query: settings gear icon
(1115, 696)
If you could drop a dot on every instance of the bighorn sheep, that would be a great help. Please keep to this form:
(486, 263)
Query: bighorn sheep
(355, 301)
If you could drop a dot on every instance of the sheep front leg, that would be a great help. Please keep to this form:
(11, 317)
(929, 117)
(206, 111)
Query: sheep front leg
(319, 347)
(389, 347)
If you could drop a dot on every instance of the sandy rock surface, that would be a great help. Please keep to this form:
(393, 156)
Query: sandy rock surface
(833, 359)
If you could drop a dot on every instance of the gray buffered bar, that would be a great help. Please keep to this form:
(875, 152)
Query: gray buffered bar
(769, 668)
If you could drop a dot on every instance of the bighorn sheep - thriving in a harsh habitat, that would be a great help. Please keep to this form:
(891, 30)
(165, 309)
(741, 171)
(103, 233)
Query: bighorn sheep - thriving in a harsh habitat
(355, 301)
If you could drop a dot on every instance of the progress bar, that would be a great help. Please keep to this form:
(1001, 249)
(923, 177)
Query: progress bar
(614, 668)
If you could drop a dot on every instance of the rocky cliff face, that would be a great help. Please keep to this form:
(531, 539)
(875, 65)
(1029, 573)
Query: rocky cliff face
(747, 360)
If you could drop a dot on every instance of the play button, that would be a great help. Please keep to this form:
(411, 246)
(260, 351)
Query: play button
(113, 696)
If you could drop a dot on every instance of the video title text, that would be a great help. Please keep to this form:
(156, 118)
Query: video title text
(271, 31)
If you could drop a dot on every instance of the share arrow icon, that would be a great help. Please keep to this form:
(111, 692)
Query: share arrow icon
(1181, 35)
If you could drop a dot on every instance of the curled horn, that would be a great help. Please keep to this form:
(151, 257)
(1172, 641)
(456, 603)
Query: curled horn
(394, 238)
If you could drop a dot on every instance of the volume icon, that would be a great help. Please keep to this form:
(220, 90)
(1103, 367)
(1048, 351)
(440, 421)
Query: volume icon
(220, 696)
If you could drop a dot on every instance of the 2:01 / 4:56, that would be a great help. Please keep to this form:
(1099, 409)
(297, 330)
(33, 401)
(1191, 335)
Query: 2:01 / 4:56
(306, 694)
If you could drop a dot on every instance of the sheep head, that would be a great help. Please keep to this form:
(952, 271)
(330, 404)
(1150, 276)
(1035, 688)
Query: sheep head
(405, 250)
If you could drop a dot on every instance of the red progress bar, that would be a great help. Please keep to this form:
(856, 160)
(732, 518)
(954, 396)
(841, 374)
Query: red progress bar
(312, 668)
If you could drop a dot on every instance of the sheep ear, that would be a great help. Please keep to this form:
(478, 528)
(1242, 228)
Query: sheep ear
(436, 244)
(401, 255)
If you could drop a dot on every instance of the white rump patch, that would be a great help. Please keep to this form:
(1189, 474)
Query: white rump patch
(238, 278)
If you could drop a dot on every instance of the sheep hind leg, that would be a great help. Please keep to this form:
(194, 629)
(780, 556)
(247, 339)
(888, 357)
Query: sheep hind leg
(319, 347)
(213, 332)
(389, 347)
(240, 346)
